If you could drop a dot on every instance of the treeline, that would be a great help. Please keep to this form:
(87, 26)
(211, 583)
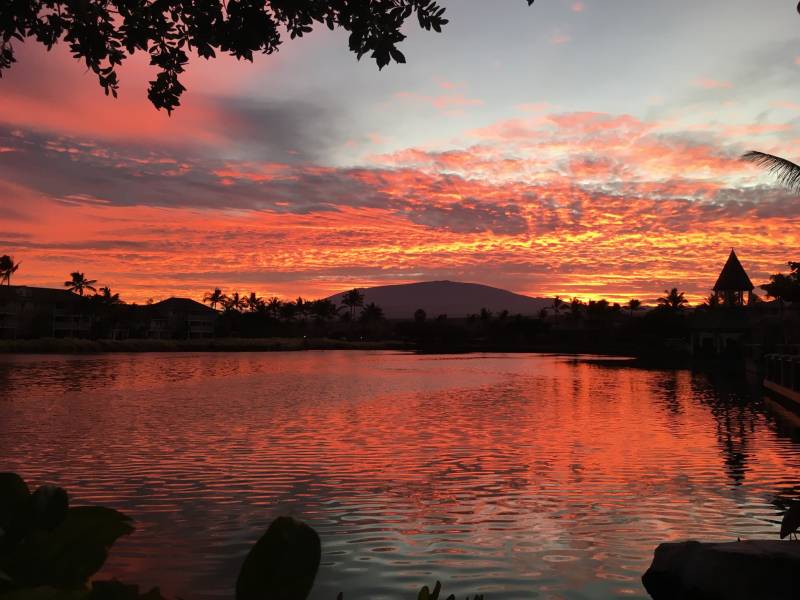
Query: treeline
(252, 316)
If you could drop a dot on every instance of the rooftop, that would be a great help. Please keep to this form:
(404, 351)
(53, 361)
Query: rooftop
(733, 277)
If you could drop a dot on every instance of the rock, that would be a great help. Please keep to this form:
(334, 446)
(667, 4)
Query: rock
(763, 569)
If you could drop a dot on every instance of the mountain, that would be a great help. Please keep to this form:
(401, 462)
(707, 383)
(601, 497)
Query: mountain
(451, 298)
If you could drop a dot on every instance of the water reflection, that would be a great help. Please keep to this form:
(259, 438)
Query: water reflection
(512, 475)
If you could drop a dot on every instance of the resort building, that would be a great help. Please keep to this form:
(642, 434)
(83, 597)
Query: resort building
(27, 312)
(733, 283)
(721, 329)
(180, 318)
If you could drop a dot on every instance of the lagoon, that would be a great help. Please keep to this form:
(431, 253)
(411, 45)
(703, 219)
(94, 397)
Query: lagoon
(520, 476)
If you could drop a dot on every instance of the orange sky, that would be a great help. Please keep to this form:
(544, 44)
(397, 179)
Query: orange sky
(268, 188)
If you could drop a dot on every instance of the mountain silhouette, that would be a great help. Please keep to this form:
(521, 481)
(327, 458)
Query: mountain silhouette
(451, 298)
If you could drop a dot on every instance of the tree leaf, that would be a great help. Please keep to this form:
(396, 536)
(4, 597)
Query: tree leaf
(283, 563)
(74, 551)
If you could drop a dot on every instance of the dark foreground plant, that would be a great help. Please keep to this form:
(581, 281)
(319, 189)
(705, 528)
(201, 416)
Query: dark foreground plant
(49, 551)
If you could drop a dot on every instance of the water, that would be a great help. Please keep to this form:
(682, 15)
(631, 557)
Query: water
(520, 476)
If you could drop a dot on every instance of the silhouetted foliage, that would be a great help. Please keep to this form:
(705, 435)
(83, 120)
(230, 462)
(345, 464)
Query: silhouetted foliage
(787, 172)
(49, 550)
(790, 524)
(79, 284)
(672, 300)
(107, 297)
(103, 33)
(214, 298)
(7, 268)
(785, 287)
(283, 563)
(44, 542)
(353, 299)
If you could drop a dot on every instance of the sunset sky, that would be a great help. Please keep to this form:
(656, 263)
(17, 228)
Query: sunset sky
(577, 148)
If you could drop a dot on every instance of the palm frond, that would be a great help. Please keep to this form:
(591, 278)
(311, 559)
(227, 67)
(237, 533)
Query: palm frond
(787, 172)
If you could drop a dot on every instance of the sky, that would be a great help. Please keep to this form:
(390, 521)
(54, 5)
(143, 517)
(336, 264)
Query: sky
(580, 148)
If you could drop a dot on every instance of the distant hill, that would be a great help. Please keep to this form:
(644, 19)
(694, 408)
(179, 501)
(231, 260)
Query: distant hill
(451, 298)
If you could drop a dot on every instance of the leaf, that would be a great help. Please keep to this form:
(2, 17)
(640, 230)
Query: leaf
(49, 505)
(14, 509)
(71, 553)
(283, 563)
(116, 590)
(46, 593)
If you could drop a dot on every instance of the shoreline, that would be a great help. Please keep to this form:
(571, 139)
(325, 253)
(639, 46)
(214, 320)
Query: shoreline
(85, 346)
(610, 355)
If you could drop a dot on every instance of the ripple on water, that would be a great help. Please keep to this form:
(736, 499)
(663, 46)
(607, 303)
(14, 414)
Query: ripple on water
(516, 476)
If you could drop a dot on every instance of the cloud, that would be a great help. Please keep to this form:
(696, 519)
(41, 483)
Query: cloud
(712, 84)
(453, 104)
(571, 203)
(472, 217)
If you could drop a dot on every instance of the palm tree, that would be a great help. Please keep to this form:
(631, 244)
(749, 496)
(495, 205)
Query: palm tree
(7, 268)
(673, 299)
(107, 297)
(214, 298)
(234, 303)
(711, 302)
(273, 307)
(634, 305)
(288, 310)
(353, 299)
(324, 310)
(302, 308)
(253, 302)
(371, 313)
(575, 307)
(558, 304)
(787, 172)
(79, 283)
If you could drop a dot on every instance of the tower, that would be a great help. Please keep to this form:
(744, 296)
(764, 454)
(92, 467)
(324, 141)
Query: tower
(733, 282)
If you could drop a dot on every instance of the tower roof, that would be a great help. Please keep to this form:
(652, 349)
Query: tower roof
(733, 277)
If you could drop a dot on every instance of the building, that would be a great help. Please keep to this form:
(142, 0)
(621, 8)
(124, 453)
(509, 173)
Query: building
(722, 330)
(29, 312)
(181, 318)
(733, 283)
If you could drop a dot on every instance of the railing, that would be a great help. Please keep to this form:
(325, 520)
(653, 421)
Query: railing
(782, 374)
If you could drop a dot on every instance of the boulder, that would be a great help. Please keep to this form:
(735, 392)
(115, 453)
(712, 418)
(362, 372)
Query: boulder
(763, 569)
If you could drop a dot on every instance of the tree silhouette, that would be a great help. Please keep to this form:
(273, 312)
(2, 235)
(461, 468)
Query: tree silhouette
(79, 283)
(324, 310)
(785, 288)
(711, 302)
(108, 297)
(273, 307)
(420, 316)
(288, 311)
(234, 303)
(575, 307)
(787, 172)
(371, 313)
(253, 302)
(558, 304)
(103, 33)
(214, 298)
(633, 305)
(7, 268)
(673, 300)
(353, 299)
